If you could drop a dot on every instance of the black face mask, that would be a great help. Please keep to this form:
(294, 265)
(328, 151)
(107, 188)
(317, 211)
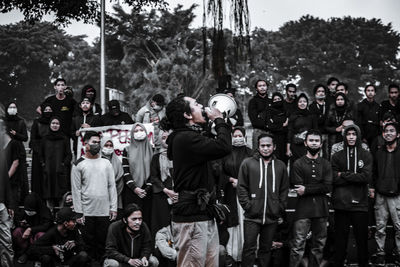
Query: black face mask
(94, 149)
(277, 104)
(68, 204)
(313, 151)
(47, 114)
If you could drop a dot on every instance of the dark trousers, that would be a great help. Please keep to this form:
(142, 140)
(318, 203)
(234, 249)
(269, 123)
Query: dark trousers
(95, 234)
(251, 232)
(359, 221)
(301, 229)
(79, 260)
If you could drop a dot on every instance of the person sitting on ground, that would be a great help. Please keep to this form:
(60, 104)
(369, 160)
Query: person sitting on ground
(63, 243)
(165, 249)
(129, 241)
(31, 224)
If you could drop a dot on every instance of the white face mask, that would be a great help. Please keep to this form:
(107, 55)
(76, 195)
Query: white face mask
(141, 135)
(107, 151)
(12, 111)
(30, 212)
(157, 108)
(238, 141)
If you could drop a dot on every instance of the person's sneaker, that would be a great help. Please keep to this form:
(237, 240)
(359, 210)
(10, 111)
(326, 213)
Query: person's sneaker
(23, 259)
(380, 260)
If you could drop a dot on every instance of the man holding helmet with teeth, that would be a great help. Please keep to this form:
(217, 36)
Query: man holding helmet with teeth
(193, 225)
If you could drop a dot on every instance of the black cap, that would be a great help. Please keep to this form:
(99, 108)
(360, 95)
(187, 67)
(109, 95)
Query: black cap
(66, 214)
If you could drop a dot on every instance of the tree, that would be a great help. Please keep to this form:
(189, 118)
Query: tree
(65, 11)
(356, 50)
(28, 54)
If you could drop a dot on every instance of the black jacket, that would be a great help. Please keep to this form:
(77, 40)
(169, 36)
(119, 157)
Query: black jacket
(122, 118)
(368, 119)
(316, 176)
(41, 221)
(350, 188)
(258, 106)
(192, 154)
(44, 245)
(386, 186)
(263, 204)
(387, 107)
(121, 246)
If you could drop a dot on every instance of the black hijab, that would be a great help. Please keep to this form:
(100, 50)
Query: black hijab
(303, 112)
(55, 135)
(45, 117)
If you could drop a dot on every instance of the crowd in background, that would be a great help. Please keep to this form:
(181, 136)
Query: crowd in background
(78, 209)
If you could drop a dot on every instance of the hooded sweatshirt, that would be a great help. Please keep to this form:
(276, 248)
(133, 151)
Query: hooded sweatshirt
(352, 169)
(263, 189)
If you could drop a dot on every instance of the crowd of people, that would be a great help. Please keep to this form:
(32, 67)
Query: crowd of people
(197, 198)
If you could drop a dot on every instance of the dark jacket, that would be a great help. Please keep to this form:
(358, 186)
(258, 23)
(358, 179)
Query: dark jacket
(316, 176)
(386, 107)
(258, 106)
(122, 118)
(77, 121)
(350, 188)
(121, 246)
(368, 119)
(44, 245)
(388, 186)
(41, 221)
(192, 154)
(262, 204)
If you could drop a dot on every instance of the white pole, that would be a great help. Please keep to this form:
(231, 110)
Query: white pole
(102, 59)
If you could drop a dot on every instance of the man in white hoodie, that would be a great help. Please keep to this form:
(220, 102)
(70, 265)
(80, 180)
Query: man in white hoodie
(94, 194)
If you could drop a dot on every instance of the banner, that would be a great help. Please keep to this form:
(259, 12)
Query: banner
(119, 134)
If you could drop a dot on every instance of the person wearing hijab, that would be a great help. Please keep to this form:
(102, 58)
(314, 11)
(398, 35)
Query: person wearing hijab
(31, 224)
(136, 159)
(40, 128)
(228, 185)
(107, 152)
(55, 156)
(299, 123)
(16, 127)
(338, 113)
(277, 124)
(163, 193)
(67, 201)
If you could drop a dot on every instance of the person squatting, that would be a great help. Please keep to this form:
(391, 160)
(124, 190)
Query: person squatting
(312, 173)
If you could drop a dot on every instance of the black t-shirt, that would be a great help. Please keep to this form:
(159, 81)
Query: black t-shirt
(63, 109)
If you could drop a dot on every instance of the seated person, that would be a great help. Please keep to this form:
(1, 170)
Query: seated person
(129, 241)
(63, 243)
(34, 220)
(165, 249)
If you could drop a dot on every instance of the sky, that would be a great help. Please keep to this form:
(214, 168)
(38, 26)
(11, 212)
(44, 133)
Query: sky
(266, 14)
